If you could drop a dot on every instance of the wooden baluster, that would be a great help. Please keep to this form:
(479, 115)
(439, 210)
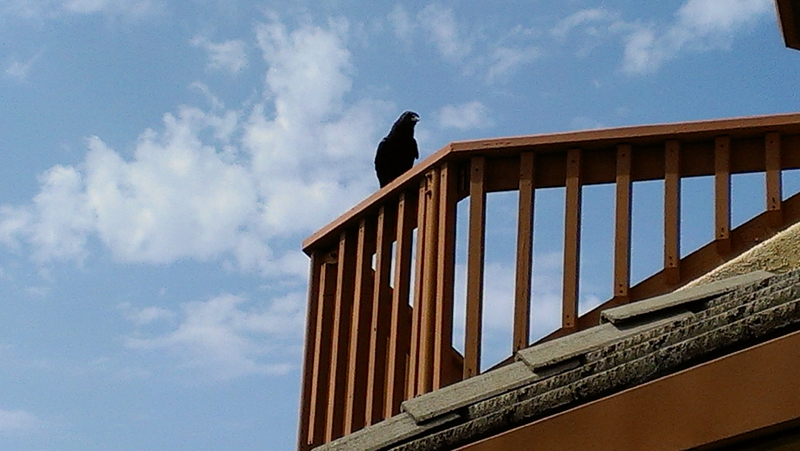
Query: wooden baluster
(417, 311)
(428, 300)
(672, 212)
(572, 239)
(722, 194)
(773, 179)
(445, 276)
(321, 364)
(358, 359)
(400, 330)
(522, 292)
(381, 317)
(340, 337)
(306, 396)
(475, 265)
(622, 227)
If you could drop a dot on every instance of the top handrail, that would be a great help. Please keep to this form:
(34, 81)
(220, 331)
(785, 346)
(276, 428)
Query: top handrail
(543, 143)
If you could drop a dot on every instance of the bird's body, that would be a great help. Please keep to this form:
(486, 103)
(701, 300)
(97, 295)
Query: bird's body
(398, 150)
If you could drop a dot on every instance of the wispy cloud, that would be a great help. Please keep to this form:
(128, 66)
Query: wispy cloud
(505, 61)
(20, 70)
(438, 27)
(227, 336)
(699, 25)
(465, 116)
(589, 21)
(401, 23)
(230, 56)
(50, 9)
(441, 28)
(129, 8)
(18, 421)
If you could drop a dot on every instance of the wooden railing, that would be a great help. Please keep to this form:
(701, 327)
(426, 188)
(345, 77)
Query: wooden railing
(367, 349)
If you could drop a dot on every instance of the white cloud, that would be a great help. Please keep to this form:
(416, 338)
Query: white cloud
(466, 116)
(401, 23)
(49, 9)
(226, 338)
(147, 315)
(130, 8)
(586, 20)
(230, 56)
(14, 421)
(504, 61)
(441, 28)
(19, 70)
(699, 25)
(437, 26)
(56, 223)
(178, 198)
(221, 184)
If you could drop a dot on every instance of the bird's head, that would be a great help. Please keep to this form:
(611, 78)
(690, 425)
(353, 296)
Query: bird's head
(406, 121)
(409, 117)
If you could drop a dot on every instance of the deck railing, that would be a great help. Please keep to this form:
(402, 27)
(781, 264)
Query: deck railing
(367, 349)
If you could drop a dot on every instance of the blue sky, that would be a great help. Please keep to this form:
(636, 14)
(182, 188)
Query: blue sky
(162, 162)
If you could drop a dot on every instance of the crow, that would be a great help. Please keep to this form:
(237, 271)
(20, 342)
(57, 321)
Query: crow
(398, 150)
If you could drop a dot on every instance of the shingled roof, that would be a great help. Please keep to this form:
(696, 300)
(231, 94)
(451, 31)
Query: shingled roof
(633, 345)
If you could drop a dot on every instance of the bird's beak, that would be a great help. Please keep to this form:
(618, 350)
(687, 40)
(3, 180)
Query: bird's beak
(415, 118)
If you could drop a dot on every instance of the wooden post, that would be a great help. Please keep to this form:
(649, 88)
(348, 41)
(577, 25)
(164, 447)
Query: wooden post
(475, 265)
(672, 212)
(308, 395)
(381, 317)
(419, 274)
(445, 276)
(340, 336)
(358, 359)
(572, 239)
(522, 290)
(722, 193)
(399, 330)
(622, 232)
(427, 300)
(325, 300)
(773, 179)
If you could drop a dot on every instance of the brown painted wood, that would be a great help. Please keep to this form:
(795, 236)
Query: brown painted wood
(475, 265)
(358, 358)
(722, 193)
(381, 316)
(317, 417)
(789, 17)
(672, 212)
(307, 395)
(572, 240)
(622, 227)
(399, 329)
(427, 304)
(522, 287)
(340, 336)
(419, 274)
(445, 278)
(772, 150)
(732, 395)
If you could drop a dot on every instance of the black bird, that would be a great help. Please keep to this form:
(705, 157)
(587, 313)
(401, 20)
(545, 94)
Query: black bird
(398, 150)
